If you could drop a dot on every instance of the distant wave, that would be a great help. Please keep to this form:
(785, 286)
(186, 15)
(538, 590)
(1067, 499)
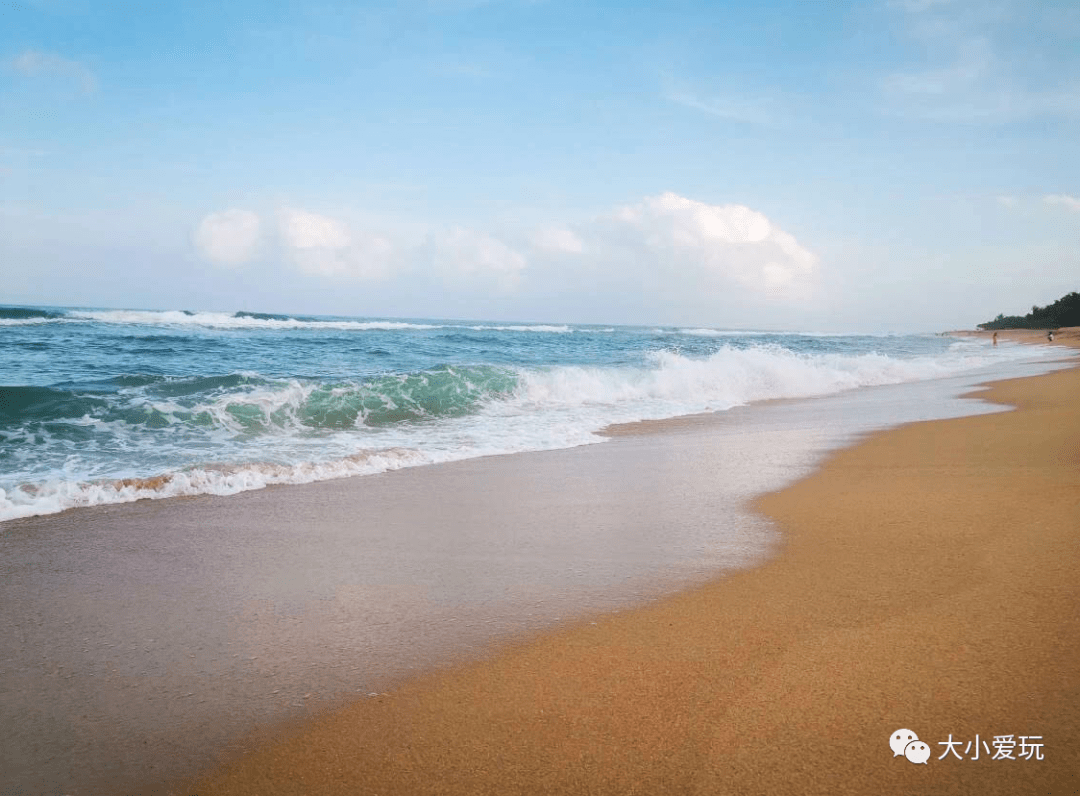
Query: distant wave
(701, 332)
(237, 320)
(16, 313)
(519, 328)
(18, 316)
(262, 316)
(244, 319)
(717, 333)
(27, 321)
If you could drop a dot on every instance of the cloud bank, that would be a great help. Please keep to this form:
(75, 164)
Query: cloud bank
(728, 243)
(1064, 200)
(323, 246)
(228, 238)
(662, 256)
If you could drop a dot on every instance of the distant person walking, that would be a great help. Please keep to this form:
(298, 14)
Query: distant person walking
(995, 338)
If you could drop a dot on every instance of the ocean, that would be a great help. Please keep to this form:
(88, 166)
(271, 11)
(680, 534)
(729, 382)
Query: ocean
(105, 406)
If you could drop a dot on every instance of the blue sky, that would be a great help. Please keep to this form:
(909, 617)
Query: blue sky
(898, 165)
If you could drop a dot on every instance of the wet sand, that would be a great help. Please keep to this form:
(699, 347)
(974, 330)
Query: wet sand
(1068, 336)
(927, 581)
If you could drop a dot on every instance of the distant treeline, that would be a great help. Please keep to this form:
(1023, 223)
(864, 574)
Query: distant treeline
(1063, 312)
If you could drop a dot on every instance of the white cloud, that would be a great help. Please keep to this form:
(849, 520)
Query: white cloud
(558, 240)
(303, 230)
(1063, 200)
(34, 63)
(325, 246)
(464, 254)
(730, 243)
(228, 238)
(662, 257)
(1007, 201)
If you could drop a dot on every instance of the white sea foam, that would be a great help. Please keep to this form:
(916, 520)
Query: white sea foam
(717, 332)
(703, 332)
(35, 321)
(225, 320)
(59, 495)
(730, 377)
(540, 327)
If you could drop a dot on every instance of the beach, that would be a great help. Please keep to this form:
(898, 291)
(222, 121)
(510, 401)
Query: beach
(1066, 336)
(926, 582)
(620, 617)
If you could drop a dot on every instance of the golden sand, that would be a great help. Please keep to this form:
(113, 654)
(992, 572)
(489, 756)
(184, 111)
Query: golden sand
(929, 580)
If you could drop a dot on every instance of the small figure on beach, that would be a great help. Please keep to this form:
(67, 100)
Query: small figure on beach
(995, 338)
(1050, 335)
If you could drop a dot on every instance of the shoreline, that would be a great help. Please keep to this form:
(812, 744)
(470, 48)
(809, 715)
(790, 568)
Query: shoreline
(1066, 336)
(788, 677)
(208, 613)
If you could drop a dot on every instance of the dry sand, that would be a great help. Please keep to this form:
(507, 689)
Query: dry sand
(929, 581)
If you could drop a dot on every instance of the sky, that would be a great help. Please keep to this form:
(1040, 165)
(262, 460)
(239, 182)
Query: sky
(902, 165)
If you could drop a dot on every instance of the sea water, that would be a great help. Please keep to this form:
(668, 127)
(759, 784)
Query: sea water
(108, 406)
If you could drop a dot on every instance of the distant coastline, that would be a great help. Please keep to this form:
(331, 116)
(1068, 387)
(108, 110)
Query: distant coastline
(1065, 336)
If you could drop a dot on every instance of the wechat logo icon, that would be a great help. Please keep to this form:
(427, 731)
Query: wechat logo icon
(907, 743)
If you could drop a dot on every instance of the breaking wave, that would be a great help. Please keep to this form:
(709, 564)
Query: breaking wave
(74, 444)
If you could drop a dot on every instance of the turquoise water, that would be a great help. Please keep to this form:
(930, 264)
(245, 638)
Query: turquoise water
(102, 406)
